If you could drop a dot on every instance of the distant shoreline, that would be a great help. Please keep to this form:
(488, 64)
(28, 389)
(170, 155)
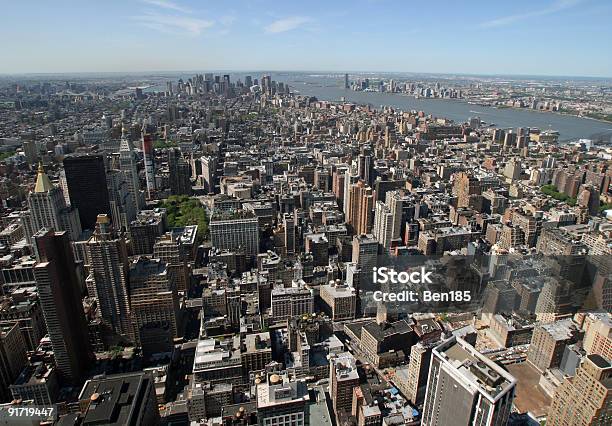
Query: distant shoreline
(464, 101)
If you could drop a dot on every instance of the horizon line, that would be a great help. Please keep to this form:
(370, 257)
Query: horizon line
(242, 71)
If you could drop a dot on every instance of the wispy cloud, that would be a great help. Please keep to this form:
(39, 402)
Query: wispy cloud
(173, 24)
(554, 7)
(286, 24)
(166, 4)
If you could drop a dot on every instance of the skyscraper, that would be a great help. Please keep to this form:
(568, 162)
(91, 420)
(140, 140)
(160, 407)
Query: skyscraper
(365, 252)
(127, 164)
(177, 249)
(48, 208)
(120, 199)
(289, 237)
(149, 161)
(154, 304)
(209, 171)
(383, 225)
(86, 178)
(179, 173)
(12, 358)
(60, 297)
(109, 275)
(465, 387)
(468, 191)
(360, 210)
(350, 178)
(365, 167)
(586, 398)
(146, 229)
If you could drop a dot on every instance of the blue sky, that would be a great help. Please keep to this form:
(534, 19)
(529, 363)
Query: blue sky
(545, 37)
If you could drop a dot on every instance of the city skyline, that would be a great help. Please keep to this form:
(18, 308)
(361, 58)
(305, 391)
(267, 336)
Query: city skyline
(367, 36)
(252, 213)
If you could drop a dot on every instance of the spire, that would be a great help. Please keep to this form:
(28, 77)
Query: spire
(43, 183)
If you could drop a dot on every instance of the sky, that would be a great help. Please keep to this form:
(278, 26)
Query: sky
(519, 37)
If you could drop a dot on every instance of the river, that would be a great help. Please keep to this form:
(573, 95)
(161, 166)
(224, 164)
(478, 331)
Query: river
(569, 127)
(326, 87)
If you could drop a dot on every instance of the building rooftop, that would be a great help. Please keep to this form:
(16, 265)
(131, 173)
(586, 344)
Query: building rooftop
(258, 341)
(279, 390)
(339, 290)
(212, 353)
(114, 400)
(345, 366)
(185, 235)
(143, 267)
(319, 412)
(34, 374)
(560, 330)
(599, 361)
(475, 369)
(220, 215)
(380, 332)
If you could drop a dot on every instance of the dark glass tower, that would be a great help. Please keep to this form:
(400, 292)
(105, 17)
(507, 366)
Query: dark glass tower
(87, 187)
(60, 297)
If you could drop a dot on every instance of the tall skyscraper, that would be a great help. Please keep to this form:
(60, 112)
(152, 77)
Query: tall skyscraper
(468, 191)
(350, 178)
(86, 178)
(365, 167)
(360, 210)
(548, 343)
(48, 208)
(383, 225)
(12, 358)
(179, 173)
(598, 334)
(365, 252)
(127, 164)
(266, 84)
(149, 161)
(346, 81)
(420, 357)
(209, 171)
(586, 398)
(31, 151)
(109, 275)
(338, 186)
(171, 249)
(465, 387)
(60, 297)
(289, 237)
(146, 229)
(120, 199)
(154, 303)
